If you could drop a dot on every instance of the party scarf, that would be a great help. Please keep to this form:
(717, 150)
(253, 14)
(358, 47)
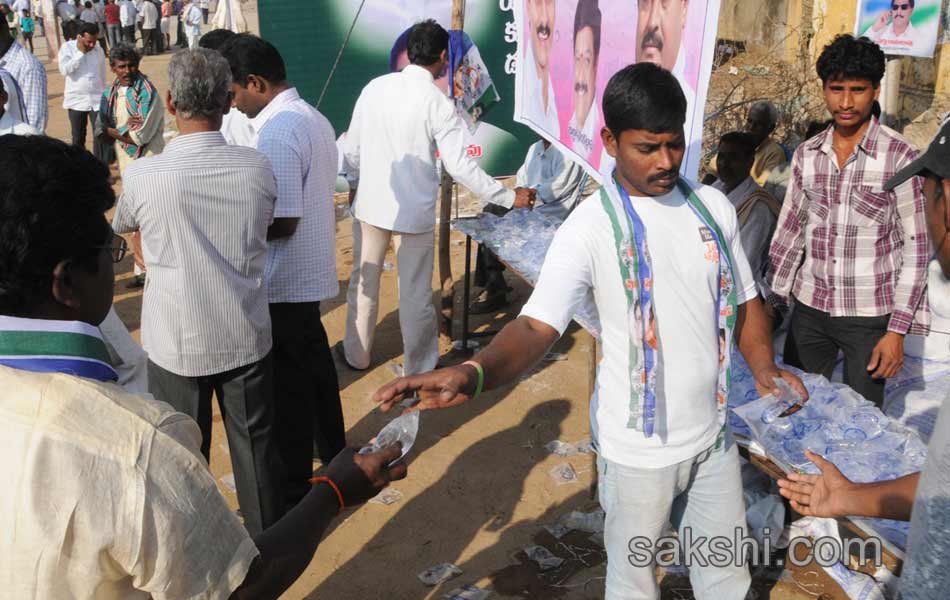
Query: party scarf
(139, 98)
(636, 272)
(46, 346)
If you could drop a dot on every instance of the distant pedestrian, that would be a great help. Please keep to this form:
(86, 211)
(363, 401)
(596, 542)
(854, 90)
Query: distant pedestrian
(27, 27)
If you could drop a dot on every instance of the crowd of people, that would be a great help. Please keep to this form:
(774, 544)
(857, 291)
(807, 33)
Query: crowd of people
(232, 228)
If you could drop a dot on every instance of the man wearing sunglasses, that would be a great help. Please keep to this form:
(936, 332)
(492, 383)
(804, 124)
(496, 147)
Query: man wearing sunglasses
(893, 26)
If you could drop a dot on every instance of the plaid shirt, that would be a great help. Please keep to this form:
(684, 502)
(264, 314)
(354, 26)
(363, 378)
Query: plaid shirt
(31, 75)
(865, 250)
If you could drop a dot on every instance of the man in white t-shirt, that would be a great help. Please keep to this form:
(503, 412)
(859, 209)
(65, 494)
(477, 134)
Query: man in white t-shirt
(673, 289)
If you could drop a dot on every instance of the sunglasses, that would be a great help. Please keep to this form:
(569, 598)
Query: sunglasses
(118, 248)
(900, 6)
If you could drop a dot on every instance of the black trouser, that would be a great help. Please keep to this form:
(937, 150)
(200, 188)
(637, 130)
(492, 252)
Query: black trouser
(149, 41)
(489, 270)
(204, 15)
(246, 399)
(815, 337)
(306, 392)
(128, 34)
(78, 120)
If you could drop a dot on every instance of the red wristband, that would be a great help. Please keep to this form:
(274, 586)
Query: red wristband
(328, 481)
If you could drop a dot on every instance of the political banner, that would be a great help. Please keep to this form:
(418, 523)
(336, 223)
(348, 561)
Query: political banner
(569, 49)
(310, 34)
(900, 27)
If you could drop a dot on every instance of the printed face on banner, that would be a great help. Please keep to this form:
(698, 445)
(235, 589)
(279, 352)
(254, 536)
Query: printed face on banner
(569, 49)
(903, 27)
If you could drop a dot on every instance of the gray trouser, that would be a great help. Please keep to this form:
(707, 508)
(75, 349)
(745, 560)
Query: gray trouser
(246, 399)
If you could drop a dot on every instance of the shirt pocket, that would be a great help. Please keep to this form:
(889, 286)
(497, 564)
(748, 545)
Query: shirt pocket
(871, 207)
(819, 206)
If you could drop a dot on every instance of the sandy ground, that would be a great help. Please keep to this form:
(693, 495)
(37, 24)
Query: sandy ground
(479, 486)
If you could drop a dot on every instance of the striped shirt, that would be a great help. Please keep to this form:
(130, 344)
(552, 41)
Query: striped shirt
(30, 74)
(203, 208)
(301, 144)
(865, 250)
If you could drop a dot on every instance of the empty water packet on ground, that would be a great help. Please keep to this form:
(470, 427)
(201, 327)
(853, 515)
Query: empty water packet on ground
(468, 592)
(545, 559)
(388, 266)
(396, 369)
(564, 474)
(584, 447)
(558, 529)
(590, 522)
(561, 448)
(470, 344)
(401, 429)
(439, 573)
(387, 497)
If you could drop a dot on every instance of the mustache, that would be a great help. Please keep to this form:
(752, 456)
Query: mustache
(581, 88)
(663, 175)
(652, 38)
(543, 29)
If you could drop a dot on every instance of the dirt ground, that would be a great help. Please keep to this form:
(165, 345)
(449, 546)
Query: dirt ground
(479, 486)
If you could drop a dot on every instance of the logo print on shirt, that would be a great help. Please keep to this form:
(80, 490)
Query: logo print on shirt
(709, 240)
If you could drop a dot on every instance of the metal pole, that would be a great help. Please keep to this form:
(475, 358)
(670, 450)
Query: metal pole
(445, 213)
(890, 94)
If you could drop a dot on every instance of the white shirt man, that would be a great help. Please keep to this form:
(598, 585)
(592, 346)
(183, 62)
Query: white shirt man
(127, 13)
(30, 76)
(558, 180)
(192, 20)
(389, 152)
(66, 11)
(149, 15)
(89, 15)
(85, 75)
(534, 109)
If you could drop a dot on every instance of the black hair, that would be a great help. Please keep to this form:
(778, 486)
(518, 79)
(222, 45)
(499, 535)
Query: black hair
(250, 55)
(911, 2)
(588, 15)
(816, 127)
(847, 57)
(644, 96)
(70, 30)
(88, 4)
(53, 197)
(427, 41)
(124, 52)
(876, 109)
(216, 38)
(87, 29)
(742, 140)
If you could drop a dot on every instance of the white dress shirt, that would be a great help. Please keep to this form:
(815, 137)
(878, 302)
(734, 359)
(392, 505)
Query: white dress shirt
(89, 15)
(390, 152)
(193, 19)
(237, 129)
(85, 76)
(301, 145)
(149, 15)
(557, 179)
(203, 208)
(127, 13)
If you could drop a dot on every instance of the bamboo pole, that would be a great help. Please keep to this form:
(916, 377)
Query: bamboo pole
(445, 213)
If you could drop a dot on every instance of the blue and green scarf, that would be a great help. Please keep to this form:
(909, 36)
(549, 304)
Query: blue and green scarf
(633, 254)
(46, 346)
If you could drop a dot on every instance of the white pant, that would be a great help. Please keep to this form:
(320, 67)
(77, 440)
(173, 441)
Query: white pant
(415, 253)
(703, 493)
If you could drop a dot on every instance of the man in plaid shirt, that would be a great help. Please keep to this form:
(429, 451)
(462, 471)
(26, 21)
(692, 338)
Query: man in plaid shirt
(853, 255)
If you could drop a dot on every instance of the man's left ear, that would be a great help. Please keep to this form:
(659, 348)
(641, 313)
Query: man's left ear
(609, 140)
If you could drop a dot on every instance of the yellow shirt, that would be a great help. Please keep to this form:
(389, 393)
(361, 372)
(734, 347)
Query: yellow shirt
(106, 496)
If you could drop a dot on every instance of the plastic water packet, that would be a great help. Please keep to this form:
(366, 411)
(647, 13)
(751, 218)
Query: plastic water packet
(387, 497)
(545, 559)
(439, 573)
(564, 474)
(468, 592)
(401, 429)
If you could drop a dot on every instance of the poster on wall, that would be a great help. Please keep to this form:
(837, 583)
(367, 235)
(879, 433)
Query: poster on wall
(569, 49)
(901, 27)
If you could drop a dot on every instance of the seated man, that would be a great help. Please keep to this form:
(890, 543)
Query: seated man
(769, 154)
(560, 184)
(108, 495)
(756, 209)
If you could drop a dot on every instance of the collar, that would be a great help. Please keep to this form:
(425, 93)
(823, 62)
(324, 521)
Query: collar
(868, 144)
(48, 346)
(742, 190)
(273, 107)
(193, 141)
(418, 72)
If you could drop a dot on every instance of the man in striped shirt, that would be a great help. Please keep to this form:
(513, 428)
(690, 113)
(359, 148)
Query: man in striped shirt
(853, 255)
(301, 261)
(29, 74)
(203, 208)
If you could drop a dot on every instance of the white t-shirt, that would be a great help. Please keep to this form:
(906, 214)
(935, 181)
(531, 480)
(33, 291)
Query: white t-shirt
(584, 256)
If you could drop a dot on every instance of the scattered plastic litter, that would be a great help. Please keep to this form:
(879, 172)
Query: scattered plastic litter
(591, 522)
(471, 345)
(396, 369)
(439, 573)
(564, 474)
(401, 429)
(545, 559)
(556, 529)
(567, 449)
(468, 592)
(388, 266)
(228, 480)
(387, 497)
